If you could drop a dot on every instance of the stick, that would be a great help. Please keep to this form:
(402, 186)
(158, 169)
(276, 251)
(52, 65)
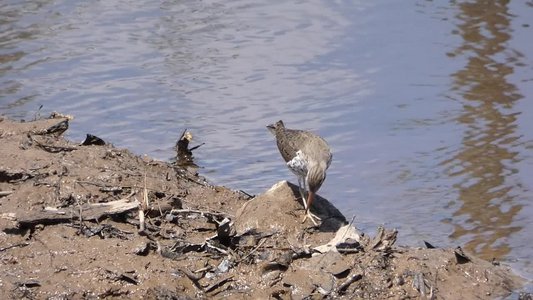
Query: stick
(144, 206)
(192, 277)
(141, 221)
(145, 192)
(201, 212)
(52, 148)
(196, 147)
(6, 193)
(348, 282)
(253, 250)
(88, 212)
(218, 284)
(14, 246)
(348, 228)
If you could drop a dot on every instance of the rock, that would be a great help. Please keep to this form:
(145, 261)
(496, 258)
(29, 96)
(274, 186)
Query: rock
(143, 249)
(344, 234)
(304, 282)
(331, 262)
(280, 209)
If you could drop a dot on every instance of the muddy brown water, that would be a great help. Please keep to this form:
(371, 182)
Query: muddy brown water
(425, 104)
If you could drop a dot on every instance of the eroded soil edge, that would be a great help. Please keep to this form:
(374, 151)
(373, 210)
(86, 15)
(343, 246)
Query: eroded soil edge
(93, 221)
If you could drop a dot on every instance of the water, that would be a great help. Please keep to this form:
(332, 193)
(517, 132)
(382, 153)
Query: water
(426, 105)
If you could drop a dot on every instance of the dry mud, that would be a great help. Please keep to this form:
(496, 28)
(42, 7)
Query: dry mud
(93, 221)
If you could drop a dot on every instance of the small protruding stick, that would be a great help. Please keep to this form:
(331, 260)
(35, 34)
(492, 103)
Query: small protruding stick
(182, 145)
(144, 205)
(184, 153)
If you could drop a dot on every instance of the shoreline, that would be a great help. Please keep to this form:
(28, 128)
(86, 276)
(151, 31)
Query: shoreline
(94, 221)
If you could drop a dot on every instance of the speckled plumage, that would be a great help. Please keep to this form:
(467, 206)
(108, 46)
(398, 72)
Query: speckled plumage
(307, 155)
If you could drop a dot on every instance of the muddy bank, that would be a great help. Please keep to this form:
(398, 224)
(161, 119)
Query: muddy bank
(93, 221)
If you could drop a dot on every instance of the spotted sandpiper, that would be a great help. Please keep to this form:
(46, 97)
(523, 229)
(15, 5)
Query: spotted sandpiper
(308, 156)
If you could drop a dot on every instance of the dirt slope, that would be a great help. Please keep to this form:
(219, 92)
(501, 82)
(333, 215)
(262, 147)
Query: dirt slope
(93, 221)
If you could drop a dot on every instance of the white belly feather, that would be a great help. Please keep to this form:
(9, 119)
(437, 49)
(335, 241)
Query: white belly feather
(298, 165)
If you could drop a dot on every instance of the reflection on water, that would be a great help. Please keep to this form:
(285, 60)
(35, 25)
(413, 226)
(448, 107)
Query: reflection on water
(411, 147)
(486, 159)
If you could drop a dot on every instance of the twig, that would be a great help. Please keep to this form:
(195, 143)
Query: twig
(204, 269)
(92, 211)
(14, 246)
(141, 220)
(158, 249)
(419, 284)
(126, 277)
(201, 212)
(192, 277)
(145, 204)
(100, 185)
(52, 148)
(122, 276)
(6, 193)
(167, 200)
(253, 250)
(37, 114)
(196, 147)
(80, 212)
(29, 283)
(145, 192)
(348, 282)
(218, 284)
(347, 251)
(246, 194)
(58, 184)
(347, 228)
(81, 215)
(209, 245)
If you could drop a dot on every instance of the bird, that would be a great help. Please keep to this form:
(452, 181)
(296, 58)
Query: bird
(308, 156)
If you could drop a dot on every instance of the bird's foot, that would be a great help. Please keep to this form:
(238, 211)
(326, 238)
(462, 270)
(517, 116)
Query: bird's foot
(311, 216)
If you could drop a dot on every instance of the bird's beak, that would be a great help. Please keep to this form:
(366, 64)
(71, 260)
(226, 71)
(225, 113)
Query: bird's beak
(271, 128)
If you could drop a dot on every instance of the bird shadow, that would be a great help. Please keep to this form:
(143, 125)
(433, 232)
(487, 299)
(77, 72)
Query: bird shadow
(331, 218)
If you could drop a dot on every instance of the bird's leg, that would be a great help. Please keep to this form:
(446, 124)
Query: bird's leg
(308, 213)
(302, 190)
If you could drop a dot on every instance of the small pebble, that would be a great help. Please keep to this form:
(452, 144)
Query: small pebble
(143, 249)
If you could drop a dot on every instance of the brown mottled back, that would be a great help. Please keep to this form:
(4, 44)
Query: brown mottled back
(289, 141)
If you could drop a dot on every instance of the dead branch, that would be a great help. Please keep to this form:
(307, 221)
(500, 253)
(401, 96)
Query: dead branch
(195, 279)
(342, 288)
(201, 212)
(13, 246)
(52, 148)
(6, 193)
(253, 250)
(92, 211)
(141, 221)
(218, 284)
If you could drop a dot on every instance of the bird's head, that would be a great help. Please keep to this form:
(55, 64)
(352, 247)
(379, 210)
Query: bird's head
(276, 126)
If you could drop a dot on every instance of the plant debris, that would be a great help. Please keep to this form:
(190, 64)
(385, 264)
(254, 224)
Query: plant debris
(132, 227)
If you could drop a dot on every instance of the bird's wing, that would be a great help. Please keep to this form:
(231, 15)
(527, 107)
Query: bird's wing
(290, 141)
